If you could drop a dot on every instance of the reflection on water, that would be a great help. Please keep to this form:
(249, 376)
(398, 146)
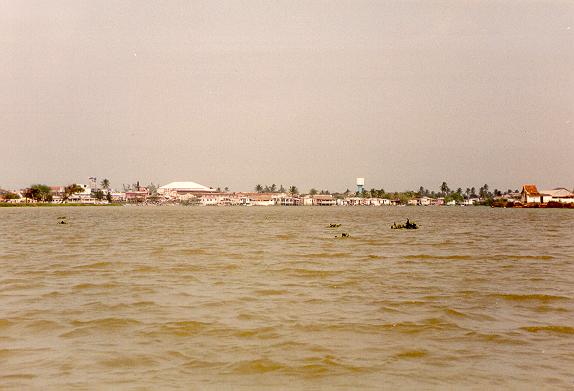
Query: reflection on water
(244, 298)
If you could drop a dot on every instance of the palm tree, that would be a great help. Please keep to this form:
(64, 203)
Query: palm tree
(273, 188)
(293, 190)
(444, 188)
(259, 188)
(105, 183)
(70, 190)
(281, 189)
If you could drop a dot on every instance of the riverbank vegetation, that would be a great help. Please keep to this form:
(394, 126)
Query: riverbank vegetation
(49, 204)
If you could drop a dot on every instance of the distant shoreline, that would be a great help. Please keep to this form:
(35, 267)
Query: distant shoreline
(47, 205)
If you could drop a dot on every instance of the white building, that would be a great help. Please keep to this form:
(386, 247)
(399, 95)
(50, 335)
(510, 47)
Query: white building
(178, 189)
(559, 194)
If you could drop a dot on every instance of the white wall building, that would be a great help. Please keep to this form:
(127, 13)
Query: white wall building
(178, 189)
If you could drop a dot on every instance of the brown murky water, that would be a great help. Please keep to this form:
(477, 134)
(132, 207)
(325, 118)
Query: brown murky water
(244, 298)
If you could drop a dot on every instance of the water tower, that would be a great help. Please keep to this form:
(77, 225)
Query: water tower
(93, 183)
(360, 185)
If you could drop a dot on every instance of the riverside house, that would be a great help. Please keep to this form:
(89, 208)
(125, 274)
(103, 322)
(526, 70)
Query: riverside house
(558, 194)
(530, 194)
(323, 200)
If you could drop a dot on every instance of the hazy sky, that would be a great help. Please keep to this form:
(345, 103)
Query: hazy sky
(310, 93)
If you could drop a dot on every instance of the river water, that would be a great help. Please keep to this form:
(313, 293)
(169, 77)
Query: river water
(268, 298)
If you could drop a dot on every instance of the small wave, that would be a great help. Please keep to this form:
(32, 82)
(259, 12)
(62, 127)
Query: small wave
(5, 353)
(146, 269)
(514, 256)
(228, 266)
(402, 327)
(458, 314)
(193, 251)
(344, 284)
(260, 332)
(549, 329)
(128, 362)
(201, 364)
(285, 236)
(271, 292)
(43, 325)
(262, 365)
(439, 257)
(298, 272)
(95, 265)
(412, 354)
(63, 273)
(528, 297)
(327, 255)
(18, 376)
(375, 256)
(5, 323)
(184, 328)
(87, 285)
(106, 323)
(142, 303)
(320, 365)
(496, 338)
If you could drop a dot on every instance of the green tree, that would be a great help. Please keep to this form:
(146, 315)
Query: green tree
(259, 188)
(40, 193)
(152, 189)
(282, 189)
(313, 191)
(99, 195)
(31, 194)
(454, 196)
(273, 188)
(109, 197)
(71, 190)
(293, 190)
(11, 196)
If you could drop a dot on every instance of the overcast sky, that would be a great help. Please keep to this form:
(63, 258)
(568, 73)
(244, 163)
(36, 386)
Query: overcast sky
(310, 93)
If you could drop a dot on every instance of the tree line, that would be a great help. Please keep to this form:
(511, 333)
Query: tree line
(43, 193)
(458, 195)
(274, 189)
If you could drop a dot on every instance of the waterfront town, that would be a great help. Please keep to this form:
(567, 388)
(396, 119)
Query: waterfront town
(192, 193)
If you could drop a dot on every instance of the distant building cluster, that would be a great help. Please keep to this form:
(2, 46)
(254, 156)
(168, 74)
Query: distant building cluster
(192, 193)
(531, 195)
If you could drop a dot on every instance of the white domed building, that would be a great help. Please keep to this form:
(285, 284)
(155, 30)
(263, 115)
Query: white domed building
(180, 190)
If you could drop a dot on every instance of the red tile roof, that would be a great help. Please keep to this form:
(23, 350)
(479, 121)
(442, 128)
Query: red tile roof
(530, 190)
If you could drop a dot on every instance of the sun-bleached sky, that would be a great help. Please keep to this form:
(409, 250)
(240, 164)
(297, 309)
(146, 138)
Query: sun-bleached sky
(310, 93)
